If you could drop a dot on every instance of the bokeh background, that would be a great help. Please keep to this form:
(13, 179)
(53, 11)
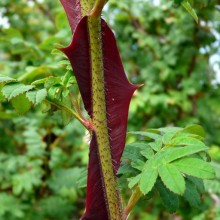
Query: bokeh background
(162, 47)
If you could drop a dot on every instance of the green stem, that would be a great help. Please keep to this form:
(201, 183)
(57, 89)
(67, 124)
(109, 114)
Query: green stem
(136, 195)
(99, 120)
(97, 8)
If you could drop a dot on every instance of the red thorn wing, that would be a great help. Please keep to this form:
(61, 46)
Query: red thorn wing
(118, 94)
(73, 11)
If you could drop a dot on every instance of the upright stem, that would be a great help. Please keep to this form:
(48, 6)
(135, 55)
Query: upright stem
(99, 119)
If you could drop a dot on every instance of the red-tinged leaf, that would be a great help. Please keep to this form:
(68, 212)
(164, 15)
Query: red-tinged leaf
(118, 92)
(73, 11)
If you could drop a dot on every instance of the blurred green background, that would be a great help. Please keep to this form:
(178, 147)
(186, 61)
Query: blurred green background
(161, 46)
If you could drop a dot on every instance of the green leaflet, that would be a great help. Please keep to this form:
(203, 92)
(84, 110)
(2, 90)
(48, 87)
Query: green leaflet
(195, 167)
(6, 79)
(12, 90)
(175, 153)
(192, 131)
(148, 178)
(189, 8)
(169, 129)
(195, 129)
(183, 140)
(37, 96)
(172, 178)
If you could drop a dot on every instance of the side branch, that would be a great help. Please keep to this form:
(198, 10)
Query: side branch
(97, 8)
(136, 195)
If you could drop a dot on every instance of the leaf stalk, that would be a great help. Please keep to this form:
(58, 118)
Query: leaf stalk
(136, 195)
(86, 123)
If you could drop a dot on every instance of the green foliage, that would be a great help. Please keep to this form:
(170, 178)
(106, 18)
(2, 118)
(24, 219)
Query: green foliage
(42, 182)
(56, 207)
(64, 182)
(172, 178)
(10, 206)
(174, 163)
(56, 91)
